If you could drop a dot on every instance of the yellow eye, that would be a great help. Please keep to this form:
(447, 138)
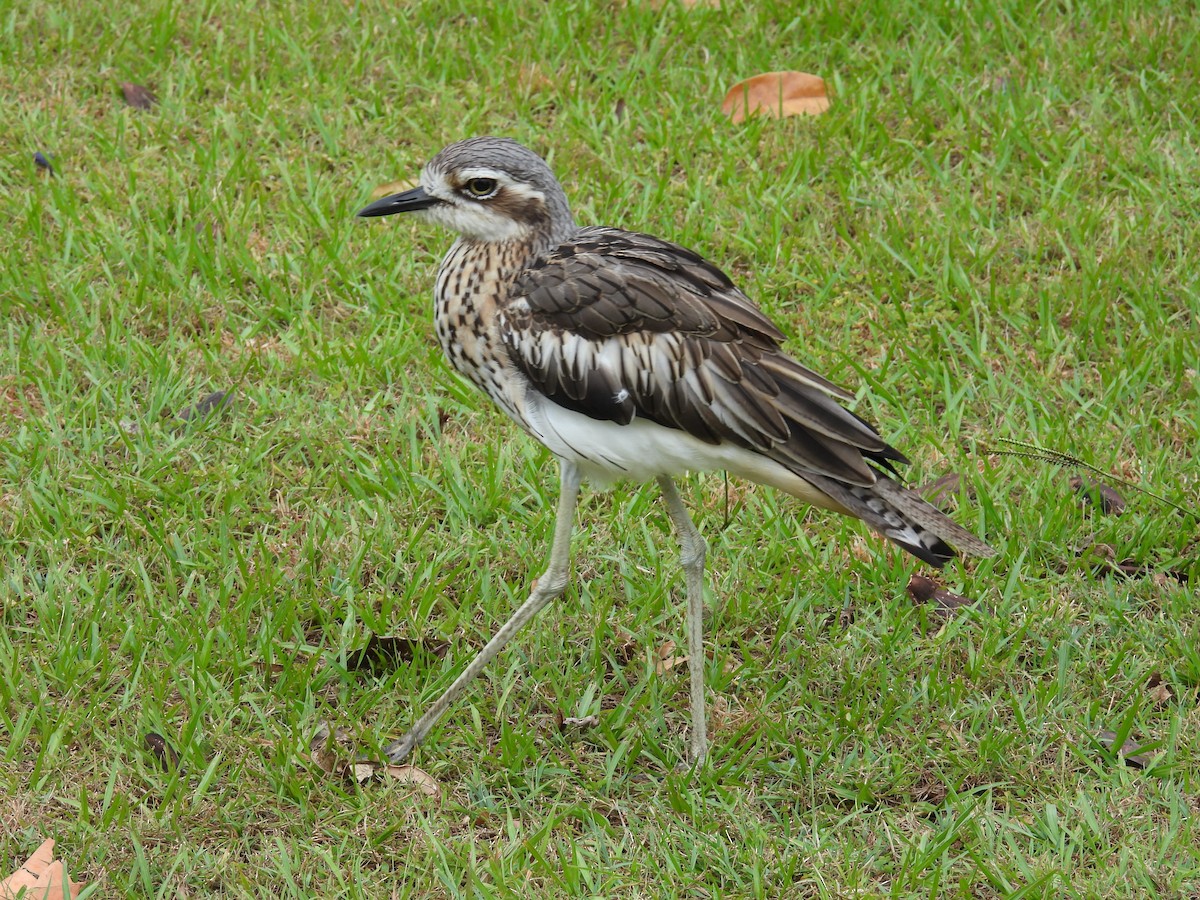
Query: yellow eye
(482, 188)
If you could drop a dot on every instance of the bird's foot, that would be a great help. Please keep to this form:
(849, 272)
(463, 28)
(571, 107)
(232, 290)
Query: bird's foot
(398, 751)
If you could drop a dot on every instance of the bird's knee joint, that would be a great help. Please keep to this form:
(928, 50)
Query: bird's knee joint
(552, 584)
(693, 553)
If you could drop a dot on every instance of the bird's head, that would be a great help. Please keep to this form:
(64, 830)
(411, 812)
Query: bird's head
(488, 189)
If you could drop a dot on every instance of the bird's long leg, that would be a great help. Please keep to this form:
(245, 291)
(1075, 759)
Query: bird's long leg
(692, 550)
(550, 585)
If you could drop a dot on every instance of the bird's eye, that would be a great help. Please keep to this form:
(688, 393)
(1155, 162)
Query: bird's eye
(482, 188)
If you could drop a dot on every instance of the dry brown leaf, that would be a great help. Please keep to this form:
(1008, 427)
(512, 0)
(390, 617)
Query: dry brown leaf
(578, 722)
(422, 780)
(384, 654)
(776, 94)
(392, 187)
(325, 745)
(624, 647)
(1128, 751)
(137, 96)
(164, 754)
(945, 603)
(665, 661)
(1157, 690)
(1099, 494)
(41, 877)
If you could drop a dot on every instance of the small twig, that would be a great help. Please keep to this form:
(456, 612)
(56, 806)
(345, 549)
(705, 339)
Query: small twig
(1058, 458)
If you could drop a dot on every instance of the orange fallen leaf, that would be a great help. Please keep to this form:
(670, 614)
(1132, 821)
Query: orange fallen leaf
(776, 94)
(40, 877)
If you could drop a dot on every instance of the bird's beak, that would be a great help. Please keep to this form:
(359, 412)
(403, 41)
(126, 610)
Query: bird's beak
(406, 201)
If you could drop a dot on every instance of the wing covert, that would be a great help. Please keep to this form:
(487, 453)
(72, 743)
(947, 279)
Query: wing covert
(618, 325)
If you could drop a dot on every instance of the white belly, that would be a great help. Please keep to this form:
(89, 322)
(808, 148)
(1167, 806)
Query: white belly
(642, 450)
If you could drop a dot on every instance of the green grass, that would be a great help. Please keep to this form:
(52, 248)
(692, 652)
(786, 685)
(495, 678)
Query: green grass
(994, 232)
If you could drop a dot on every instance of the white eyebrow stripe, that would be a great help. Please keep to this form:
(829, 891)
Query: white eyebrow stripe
(505, 181)
(482, 172)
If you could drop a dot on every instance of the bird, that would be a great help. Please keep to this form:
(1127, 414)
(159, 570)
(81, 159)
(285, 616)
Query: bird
(632, 358)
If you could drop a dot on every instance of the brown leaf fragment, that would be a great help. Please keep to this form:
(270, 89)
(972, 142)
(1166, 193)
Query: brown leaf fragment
(665, 660)
(164, 754)
(577, 722)
(420, 779)
(1099, 495)
(327, 746)
(1128, 751)
(207, 404)
(137, 96)
(624, 647)
(384, 654)
(945, 603)
(1157, 690)
(41, 877)
(777, 95)
(1131, 568)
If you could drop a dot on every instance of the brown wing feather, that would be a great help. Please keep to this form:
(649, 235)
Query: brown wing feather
(615, 325)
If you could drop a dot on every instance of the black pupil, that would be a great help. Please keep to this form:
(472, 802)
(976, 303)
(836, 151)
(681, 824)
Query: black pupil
(480, 186)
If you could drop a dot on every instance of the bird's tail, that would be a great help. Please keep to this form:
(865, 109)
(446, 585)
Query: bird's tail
(903, 517)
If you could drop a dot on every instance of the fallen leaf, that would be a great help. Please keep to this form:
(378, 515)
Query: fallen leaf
(1098, 494)
(664, 661)
(384, 654)
(1157, 690)
(164, 754)
(207, 404)
(624, 647)
(324, 748)
(945, 603)
(1128, 751)
(392, 187)
(565, 722)
(422, 780)
(776, 94)
(137, 96)
(41, 877)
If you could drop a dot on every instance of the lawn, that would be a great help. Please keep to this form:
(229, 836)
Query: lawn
(993, 234)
